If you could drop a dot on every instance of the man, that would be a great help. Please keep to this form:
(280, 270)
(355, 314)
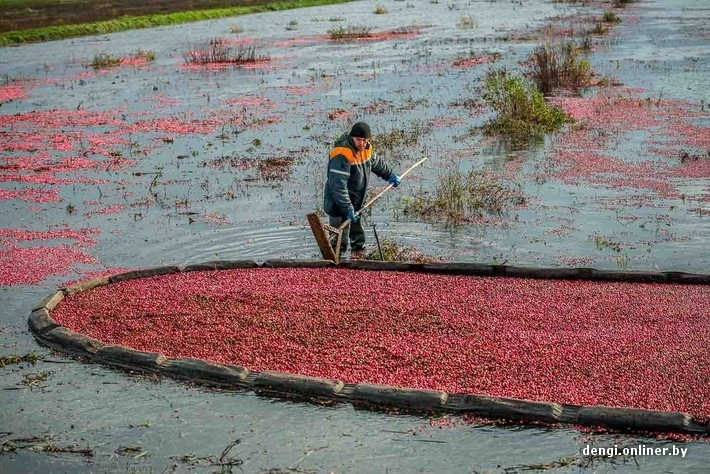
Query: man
(349, 167)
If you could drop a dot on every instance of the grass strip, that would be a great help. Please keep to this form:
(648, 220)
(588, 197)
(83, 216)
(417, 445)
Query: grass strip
(124, 23)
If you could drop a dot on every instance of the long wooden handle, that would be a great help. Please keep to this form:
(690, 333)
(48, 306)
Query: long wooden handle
(369, 203)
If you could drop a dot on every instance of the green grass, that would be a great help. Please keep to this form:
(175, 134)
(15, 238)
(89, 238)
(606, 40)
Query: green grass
(467, 22)
(380, 10)
(599, 28)
(397, 143)
(463, 197)
(16, 359)
(610, 17)
(220, 51)
(341, 32)
(560, 66)
(520, 108)
(394, 252)
(35, 379)
(603, 242)
(123, 23)
(105, 60)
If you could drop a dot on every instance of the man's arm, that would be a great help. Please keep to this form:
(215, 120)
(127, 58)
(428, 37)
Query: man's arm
(338, 176)
(380, 168)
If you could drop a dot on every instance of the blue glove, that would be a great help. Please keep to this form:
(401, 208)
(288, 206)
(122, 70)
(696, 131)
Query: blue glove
(353, 218)
(394, 180)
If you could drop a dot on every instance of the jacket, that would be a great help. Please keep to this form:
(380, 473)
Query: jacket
(349, 175)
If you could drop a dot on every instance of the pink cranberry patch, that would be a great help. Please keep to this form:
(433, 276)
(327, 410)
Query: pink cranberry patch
(579, 342)
(30, 265)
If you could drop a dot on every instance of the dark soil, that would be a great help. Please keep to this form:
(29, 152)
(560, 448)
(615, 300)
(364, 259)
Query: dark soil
(41, 13)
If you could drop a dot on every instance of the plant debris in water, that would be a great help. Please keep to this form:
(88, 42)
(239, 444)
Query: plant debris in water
(41, 445)
(17, 359)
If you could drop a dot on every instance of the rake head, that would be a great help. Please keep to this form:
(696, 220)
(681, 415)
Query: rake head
(327, 237)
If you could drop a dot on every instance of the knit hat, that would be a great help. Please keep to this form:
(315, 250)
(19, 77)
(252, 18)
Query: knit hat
(361, 130)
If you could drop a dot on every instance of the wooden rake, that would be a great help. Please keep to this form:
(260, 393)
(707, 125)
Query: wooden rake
(329, 238)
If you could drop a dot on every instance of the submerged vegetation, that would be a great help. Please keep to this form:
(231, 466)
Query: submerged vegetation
(380, 10)
(44, 444)
(389, 250)
(603, 242)
(397, 143)
(341, 32)
(464, 197)
(466, 22)
(519, 106)
(106, 60)
(221, 51)
(16, 359)
(560, 66)
(610, 17)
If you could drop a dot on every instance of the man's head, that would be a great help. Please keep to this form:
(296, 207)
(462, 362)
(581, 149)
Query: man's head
(361, 135)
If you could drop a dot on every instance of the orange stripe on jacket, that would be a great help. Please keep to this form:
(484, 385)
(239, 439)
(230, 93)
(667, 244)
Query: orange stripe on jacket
(361, 156)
